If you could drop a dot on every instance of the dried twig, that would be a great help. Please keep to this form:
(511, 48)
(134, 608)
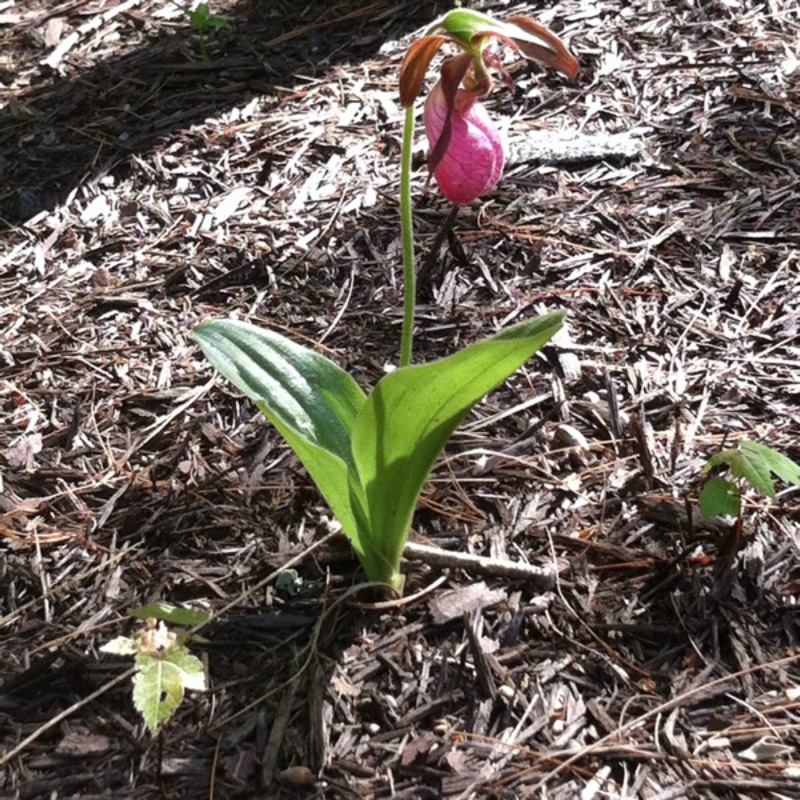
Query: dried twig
(539, 577)
(65, 714)
(675, 702)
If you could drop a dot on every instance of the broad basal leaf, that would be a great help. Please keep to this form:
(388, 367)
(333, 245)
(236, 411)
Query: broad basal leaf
(410, 416)
(312, 402)
(303, 389)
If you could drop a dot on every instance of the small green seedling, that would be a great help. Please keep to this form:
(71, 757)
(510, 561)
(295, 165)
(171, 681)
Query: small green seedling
(289, 583)
(164, 666)
(203, 21)
(751, 462)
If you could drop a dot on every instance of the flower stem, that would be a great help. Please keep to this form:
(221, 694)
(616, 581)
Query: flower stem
(407, 235)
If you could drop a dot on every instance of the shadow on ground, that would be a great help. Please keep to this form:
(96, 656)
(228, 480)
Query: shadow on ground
(77, 123)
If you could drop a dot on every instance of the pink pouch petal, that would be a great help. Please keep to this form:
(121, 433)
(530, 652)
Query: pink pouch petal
(473, 162)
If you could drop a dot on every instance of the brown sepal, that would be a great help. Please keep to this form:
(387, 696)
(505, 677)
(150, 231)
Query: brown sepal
(415, 65)
(561, 59)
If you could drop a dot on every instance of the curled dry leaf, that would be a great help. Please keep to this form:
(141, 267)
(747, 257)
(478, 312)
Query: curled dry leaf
(472, 597)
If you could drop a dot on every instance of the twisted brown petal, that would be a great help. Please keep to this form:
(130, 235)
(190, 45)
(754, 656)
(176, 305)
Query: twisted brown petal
(415, 65)
(552, 53)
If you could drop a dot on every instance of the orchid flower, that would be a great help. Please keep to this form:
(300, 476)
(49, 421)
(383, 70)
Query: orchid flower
(467, 150)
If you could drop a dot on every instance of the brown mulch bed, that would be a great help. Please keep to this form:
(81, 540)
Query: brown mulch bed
(144, 190)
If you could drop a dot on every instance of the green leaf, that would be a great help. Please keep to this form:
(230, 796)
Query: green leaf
(159, 684)
(408, 419)
(312, 402)
(121, 646)
(218, 23)
(167, 612)
(305, 390)
(289, 583)
(719, 497)
(755, 462)
(776, 462)
(199, 17)
(192, 672)
(368, 456)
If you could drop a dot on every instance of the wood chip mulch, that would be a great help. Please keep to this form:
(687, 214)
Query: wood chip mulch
(143, 189)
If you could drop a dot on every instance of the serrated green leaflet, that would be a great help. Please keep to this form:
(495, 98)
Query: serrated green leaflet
(756, 463)
(157, 690)
(191, 667)
(719, 497)
(159, 684)
(745, 464)
(776, 462)
(121, 646)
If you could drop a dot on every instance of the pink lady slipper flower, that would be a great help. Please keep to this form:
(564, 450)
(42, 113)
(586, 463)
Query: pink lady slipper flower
(473, 161)
(467, 150)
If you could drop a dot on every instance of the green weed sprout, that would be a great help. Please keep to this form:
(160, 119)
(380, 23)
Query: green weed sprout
(164, 667)
(749, 462)
(370, 454)
(203, 21)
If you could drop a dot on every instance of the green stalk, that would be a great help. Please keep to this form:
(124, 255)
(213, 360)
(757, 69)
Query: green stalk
(407, 235)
